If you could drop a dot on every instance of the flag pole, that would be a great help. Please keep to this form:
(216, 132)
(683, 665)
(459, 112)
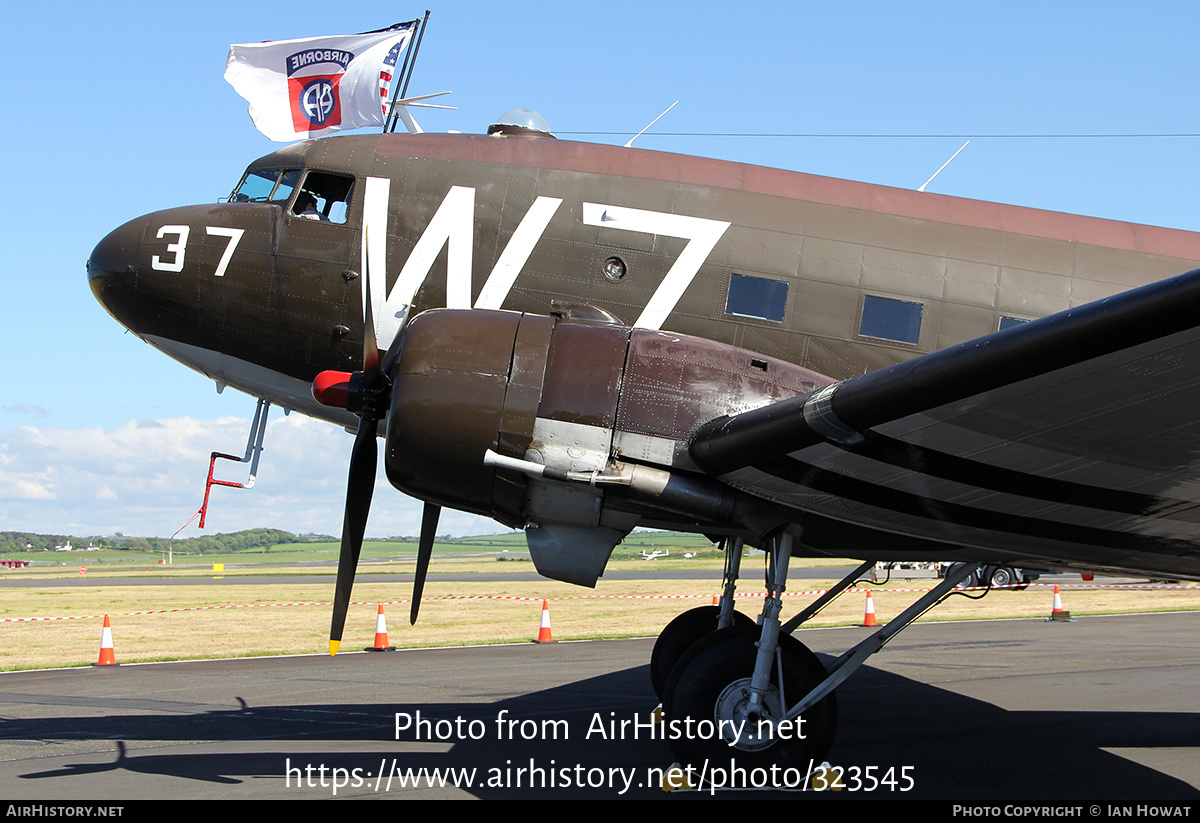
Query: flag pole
(410, 62)
(389, 122)
(416, 50)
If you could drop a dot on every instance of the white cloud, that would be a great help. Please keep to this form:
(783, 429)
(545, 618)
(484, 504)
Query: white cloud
(21, 408)
(146, 477)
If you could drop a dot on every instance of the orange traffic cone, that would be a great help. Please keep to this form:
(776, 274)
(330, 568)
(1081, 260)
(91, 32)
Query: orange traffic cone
(544, 635)
(716, 600)
(381, 641)
(1057, 612)
(107, 658)
(869, 615)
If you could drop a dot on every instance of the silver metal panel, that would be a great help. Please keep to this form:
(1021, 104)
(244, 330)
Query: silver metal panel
(570, 446)
(655, 450)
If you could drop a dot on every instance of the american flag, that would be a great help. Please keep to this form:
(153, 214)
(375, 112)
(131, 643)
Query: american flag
(386, 71)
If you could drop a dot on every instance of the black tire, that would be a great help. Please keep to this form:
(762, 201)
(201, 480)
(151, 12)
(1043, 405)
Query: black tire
(1003, 576)
(679, 635)
(709, 683)
(968, 582)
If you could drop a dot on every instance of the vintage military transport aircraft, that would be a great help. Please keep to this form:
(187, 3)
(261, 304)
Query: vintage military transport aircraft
(580, 339)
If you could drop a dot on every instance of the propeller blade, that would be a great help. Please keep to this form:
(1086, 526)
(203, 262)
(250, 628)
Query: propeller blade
(397, 345)
(429, 522)
(360, 485)
(371, 373)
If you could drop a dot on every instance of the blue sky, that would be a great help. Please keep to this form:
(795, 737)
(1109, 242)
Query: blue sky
(120, 109)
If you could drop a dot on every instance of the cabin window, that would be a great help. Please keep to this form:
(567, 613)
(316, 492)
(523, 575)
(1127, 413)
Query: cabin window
(324, 196)
(756, 297)
(1009, 322)
(890, 319)
(271, 185)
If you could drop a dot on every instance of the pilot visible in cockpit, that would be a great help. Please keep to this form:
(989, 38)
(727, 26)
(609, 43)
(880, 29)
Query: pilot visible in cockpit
(306, 207)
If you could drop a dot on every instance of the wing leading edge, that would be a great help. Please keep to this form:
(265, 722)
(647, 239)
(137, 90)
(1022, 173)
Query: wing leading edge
(1071, 442)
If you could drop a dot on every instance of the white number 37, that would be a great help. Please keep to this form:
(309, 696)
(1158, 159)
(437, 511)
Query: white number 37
(178, 249)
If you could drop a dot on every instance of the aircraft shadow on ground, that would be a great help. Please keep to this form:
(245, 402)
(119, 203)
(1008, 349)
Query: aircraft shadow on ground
(958, 748)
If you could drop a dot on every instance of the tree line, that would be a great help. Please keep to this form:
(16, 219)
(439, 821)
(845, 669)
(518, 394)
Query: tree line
(246, 540)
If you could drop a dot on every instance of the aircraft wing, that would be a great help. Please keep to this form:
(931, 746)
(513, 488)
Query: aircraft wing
(1069, 442)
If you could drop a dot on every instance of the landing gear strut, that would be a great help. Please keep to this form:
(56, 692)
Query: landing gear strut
(755, 694)
(729, 693)
(687, 628)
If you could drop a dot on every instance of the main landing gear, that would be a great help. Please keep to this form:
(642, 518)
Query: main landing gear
(687, 628)
(755, 695)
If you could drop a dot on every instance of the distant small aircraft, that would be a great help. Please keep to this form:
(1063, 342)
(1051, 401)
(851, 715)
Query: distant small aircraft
(579, 339)
(654, 555)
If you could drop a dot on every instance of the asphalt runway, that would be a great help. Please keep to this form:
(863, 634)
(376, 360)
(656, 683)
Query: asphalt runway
(1106, 708)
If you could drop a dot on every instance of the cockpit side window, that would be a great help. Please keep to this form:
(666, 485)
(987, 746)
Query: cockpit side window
(266, 186)
(324, 196)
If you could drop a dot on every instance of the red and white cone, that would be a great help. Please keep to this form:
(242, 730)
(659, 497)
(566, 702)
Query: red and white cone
(544, 635)
(869, 615)
(381, 641)
(1057, 612)
(107, 658)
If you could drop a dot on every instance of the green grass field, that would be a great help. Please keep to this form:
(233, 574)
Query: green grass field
(174, 622)
(373, 550)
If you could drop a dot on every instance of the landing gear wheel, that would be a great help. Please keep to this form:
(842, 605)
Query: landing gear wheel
(706, 699)
(1003, 576)
(679, 635)
(968, 582)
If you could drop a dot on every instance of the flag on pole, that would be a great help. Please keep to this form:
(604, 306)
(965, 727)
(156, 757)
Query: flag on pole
(299, 89)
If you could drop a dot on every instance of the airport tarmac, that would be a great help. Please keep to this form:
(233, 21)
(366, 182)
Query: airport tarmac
(1105, 708)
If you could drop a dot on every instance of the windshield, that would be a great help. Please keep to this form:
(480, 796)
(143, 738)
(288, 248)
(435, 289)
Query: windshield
(267, 185)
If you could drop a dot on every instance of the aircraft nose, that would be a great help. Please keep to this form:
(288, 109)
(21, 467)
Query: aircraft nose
(112, 267)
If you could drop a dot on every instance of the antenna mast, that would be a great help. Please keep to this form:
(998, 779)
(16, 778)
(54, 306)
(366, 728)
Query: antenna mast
(947, 163)
(629, 145)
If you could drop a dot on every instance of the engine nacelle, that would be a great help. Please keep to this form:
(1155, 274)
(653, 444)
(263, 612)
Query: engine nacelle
(607, 411)
(466, 382)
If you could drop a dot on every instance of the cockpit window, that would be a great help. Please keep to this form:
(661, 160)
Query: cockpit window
(324, 196)
(271, 185)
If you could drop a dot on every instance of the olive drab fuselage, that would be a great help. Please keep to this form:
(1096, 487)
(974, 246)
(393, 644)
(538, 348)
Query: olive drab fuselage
(563, 265)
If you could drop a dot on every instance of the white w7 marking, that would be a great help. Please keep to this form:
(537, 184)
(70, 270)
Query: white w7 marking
(452, 227)
(702, 233)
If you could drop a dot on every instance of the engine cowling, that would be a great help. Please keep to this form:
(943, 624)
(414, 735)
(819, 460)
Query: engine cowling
(466, 382)
(606, 409)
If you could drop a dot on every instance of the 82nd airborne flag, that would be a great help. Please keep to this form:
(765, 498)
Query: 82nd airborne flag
(299, 89)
